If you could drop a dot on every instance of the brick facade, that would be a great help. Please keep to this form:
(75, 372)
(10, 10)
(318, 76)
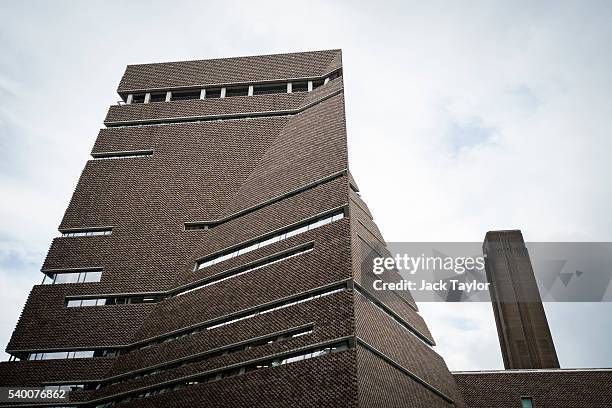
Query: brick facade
(247, 167)
(548, 388)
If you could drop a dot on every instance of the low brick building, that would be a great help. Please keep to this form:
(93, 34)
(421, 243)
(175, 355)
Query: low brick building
(541, 388)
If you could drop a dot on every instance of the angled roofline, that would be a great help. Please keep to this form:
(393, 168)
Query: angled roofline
(329, 69)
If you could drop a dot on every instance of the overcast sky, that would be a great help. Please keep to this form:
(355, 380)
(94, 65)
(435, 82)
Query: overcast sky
(463, 117)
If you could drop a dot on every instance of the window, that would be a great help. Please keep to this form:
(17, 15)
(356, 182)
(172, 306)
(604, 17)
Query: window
(108, 301)
(270, 239)
(64, 387)
(138, 98)
(207, 356)
(233, 319)
(242, 90)
(185, 95)
(299, 86)
(248, 268)
(196, 226)
(122, 155)
(238, 91)
(317, 83)
(334, 75)
(154, 298)
(231, 372)
(83, 354)
(56, 355)
(89, 302)
(87, 233)
(269, 89)
(158, 97)
(105, 353)
(213, 93)
(527, 402)
(93, 275)
(67, 278)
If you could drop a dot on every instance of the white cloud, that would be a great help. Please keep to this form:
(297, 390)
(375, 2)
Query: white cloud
(465, 334)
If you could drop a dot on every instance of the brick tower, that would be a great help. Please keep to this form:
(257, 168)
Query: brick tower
(210, 255)
(524, 335)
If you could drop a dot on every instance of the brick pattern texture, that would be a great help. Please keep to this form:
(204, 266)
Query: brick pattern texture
(548, 388)
(229, 70)
(210, 170)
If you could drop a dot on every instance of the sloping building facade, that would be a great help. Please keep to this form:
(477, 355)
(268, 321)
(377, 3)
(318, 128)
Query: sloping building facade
(211, 255)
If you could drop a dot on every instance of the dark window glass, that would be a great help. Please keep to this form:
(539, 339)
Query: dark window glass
(185, 95)
(299, 86)
(138, 98)
(317, 83)
(213, 93)
(334, 75)
(269, 89)
(231, 373)
(158, 97)
(527, 402)
(189, 227)
(237, 91)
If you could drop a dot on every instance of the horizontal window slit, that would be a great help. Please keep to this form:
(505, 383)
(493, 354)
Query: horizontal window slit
(122, 155)
(270, 89)
(294, 357)
(213, 93)
(158, 97)
(198, 226)
(247, 345)
(245, 316)
(72, 276)
(232, 91)
(138, 98)
(299, 86)
(242, 271)
(205, 225)
(95, 276)
(236, 91)
(270, 239)
(70, 354)
(185, 95)
(114, 300)
(87, 232)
